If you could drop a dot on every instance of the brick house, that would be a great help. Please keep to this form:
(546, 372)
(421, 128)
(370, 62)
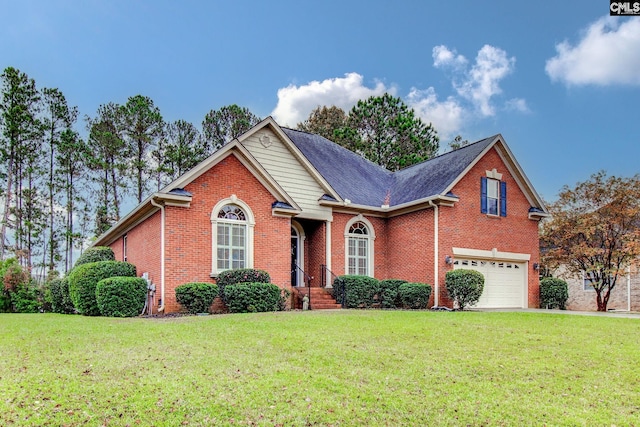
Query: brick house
(624, 296)
(305, 209)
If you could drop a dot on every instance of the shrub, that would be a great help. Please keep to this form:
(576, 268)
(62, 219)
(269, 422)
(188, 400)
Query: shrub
(24, 299)
(284, 303)
(253, 297)
(121, 296)
(196, 297)
(464, 286)
(95, 254)
(84, 279)
(243, 275)
(60, 298)
(356, 291)
(553, 293)
(388, 293)
(414, 295)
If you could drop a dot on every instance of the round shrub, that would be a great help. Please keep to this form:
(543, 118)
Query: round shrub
(95, 254)
(242, 275)
(464, 286)
(388, 293)
(414, 295)
(84, 279)
(354, 291)
(60, 298)
(554, 293)
(121, 296)
(253, 297)
(196, 297)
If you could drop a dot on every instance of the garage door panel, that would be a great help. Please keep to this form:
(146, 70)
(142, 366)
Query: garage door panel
(504, 282)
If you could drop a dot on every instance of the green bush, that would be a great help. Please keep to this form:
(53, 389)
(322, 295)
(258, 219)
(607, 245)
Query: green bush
(388, 293)
(25, 299)
(121, 296)
(60, 298)
(84, 279)
(356, 291)
(554, 293)
(414, 295)
(95, 254)
(196, 297)
(464, 286)
(242, 275)
(253, 297)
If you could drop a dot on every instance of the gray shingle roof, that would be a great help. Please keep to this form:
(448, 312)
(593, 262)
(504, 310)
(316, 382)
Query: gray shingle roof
(365, 183)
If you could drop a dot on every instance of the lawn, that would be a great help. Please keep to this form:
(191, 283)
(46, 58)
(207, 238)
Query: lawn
(339, 368)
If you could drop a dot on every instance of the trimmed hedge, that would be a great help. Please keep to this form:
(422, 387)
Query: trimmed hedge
(196, 297)
(414, 295)
(356, 291)
(388, 293)
(242, 275)
(554, 293)
(84, 279)
(464, 286)
(253, 297)
(60, 298)
(95, 254)
(121, 296)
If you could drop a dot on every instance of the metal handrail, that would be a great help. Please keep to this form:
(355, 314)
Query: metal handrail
(307, 280)
(323, 278)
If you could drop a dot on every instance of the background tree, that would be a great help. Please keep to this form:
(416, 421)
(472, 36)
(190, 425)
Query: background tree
(595, 230)
(142, 127)
(221, 126)
(107, 160)
(325, 121)
(183, 148)
(57, 119)
(386, 131)
(458, 143)
(19, 153)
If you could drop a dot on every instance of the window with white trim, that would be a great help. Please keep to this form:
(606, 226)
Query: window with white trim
(232, 232)
(359, 237)
(493, 196)
(587, 283)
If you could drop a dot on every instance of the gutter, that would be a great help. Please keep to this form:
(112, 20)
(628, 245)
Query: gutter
(436, 257)
(162, 221)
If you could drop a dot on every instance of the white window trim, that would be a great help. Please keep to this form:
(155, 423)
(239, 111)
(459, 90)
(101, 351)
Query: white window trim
(584, 279)
(371, 237)
(301, 238)
(250, 221)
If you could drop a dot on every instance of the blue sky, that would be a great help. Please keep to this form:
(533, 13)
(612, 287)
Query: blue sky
(560, 80)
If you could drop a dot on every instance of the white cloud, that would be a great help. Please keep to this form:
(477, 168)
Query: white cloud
(442, 56)
(608, 53)
(447, 116)
(482, 82)
(518, 104)
(295, 103)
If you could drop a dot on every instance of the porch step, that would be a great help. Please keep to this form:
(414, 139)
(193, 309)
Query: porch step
(322, 300)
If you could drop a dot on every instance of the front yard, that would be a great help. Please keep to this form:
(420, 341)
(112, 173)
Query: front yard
(337, 368)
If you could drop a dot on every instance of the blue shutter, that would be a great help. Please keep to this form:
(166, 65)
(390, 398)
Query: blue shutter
(503, 198)
(483, 195)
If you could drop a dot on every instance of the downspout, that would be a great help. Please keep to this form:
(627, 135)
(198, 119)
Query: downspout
(436, 257)
(629, 288)
(153, 202)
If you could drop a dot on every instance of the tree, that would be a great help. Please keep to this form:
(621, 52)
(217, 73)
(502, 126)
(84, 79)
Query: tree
(325, 121)
(386, 131)
(19, 155)
(595, 230)
(458, 143)
(142, 127)
(108, 161)
(221, 126)
(181, 151)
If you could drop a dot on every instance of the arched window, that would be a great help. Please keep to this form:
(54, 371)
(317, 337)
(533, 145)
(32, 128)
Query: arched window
(232, 231)
(359, 237)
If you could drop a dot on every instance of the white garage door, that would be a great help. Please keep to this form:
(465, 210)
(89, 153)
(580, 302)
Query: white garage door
(504, 282)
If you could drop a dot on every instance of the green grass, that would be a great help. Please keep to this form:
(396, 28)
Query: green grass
(338, 368)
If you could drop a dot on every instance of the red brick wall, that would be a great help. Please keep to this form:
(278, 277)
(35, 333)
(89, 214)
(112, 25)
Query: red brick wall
(338, 244)
(463, 225)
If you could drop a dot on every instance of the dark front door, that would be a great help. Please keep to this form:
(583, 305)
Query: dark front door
(294, 257)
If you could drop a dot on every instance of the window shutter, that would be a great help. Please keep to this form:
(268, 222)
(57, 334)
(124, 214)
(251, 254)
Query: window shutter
(503, 198)
(483, 195)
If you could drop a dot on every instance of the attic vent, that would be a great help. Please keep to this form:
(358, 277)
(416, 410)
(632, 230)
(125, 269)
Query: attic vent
(265, 140)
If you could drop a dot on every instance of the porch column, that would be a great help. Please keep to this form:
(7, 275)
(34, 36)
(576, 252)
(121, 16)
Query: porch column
(327, 245)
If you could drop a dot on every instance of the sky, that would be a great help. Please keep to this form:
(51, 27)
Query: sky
(560, 80)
